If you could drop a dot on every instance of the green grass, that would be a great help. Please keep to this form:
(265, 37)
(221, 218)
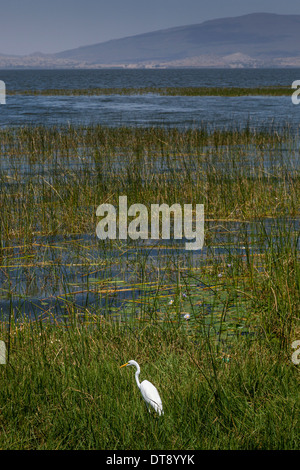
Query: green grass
(165, 91)
(225, 376)
(63, 389)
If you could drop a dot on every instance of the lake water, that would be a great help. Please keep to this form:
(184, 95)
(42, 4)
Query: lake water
(151, 109)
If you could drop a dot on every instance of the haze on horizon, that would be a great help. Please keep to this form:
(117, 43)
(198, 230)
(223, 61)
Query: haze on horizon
(52, 26)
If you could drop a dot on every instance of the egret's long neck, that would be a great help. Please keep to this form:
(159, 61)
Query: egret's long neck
(138, 370)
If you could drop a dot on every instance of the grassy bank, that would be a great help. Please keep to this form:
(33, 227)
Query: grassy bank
(63, 389)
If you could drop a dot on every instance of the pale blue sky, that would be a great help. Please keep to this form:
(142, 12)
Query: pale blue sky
(27, 26)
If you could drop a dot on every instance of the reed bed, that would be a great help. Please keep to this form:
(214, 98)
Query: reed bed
(212, 330)
(165, 91)
(54, 179)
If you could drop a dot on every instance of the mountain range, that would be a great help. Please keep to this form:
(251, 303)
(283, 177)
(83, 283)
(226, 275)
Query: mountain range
(253, 40)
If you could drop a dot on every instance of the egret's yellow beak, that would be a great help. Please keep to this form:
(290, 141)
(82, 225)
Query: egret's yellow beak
(124, 365)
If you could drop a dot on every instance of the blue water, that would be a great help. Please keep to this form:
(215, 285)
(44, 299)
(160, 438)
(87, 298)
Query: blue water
(152, 109)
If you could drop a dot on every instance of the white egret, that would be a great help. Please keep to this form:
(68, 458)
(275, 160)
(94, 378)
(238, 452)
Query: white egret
(148, 391)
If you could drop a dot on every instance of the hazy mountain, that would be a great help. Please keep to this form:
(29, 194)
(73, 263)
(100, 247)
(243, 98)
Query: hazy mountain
(254, 40)
(258, 35)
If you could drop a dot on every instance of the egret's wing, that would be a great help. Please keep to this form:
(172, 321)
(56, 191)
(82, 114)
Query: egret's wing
(151, 396)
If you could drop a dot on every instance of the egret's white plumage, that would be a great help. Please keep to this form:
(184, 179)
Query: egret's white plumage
(148, 391)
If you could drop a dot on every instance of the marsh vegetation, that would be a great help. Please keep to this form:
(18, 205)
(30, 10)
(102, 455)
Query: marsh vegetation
(164, 91)
(211, 329)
